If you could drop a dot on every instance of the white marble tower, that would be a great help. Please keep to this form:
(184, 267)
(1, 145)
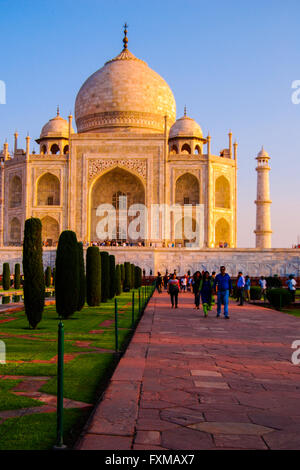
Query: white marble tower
(263, 203)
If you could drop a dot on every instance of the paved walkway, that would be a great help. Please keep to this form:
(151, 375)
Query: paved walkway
(188, 382)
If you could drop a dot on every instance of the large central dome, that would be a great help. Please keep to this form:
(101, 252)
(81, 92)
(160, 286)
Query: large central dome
(124, 95)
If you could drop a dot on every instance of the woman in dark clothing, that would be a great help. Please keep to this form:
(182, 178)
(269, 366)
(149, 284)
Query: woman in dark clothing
(173, 290)
(196, 288)
(159, 282)
(206, 293)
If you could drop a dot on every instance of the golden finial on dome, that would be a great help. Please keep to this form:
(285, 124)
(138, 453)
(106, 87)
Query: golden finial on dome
(184, 110)
(57, 110)
(125, 40)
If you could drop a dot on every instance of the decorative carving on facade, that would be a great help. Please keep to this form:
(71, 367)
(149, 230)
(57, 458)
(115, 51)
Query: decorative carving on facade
(119, 118)
(138, 166)
(41, 215)
(181, 171)
(43, 171)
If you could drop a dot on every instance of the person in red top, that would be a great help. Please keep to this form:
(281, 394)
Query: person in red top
(173, 290)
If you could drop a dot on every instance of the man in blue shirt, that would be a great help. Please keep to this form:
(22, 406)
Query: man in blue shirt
(223, 287)
(240, 288)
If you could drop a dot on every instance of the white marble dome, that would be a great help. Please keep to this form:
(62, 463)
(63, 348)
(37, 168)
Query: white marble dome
(263, 153)
(56, 127)
(185, 127)
(124, 95)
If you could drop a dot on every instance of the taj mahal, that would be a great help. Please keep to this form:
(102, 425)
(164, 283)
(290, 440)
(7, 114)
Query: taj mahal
(130, 144)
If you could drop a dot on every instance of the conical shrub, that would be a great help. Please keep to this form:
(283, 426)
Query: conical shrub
(118, 281)
(17, 277)
(82, 280)
(67, 274)
(6, 276)
(112, 273)
(34, 278)
(93, 276)
(105, 276)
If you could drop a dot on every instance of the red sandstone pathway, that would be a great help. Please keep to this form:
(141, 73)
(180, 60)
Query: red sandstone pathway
(188, 382)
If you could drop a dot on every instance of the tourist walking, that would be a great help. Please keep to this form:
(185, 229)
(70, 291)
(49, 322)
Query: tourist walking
(166, 280)
(184, 283)
(159, 282)
(247, 288)
(240, 288)
(212, 280)
(263, 286)
(223, 287)
(206, 291)
(291, 283)
(173, 290)
(196, 288)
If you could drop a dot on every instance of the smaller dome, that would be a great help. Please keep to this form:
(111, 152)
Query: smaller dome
(56, 127)
(263, 153)
(185, 127)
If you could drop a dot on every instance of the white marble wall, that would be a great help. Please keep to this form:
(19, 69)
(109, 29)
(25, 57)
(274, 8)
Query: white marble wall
(252, 261)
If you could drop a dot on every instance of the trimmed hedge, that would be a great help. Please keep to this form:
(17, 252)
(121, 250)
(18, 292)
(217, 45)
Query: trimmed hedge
(67, 274)
(279, 298)
(6, 276)
(105, 276)
(118, 282)
(48, 276)
(273, 281)
(122, 267)
(132, 276)
(255, 293)
(112, 274)
(17, 277)
(34, 278)
(137, 277)
(82, 281)
(93, 276)
(127, 280)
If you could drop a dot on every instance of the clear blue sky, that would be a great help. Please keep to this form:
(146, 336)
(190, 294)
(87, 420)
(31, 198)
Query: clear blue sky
(232, 63)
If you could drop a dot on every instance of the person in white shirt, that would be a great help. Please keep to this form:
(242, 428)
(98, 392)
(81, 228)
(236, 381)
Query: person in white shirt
(263, 285)
(292, 286)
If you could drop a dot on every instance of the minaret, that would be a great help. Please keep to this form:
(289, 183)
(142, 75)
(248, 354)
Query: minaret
(263, 203)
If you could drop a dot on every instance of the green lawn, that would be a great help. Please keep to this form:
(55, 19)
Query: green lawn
(295, 312)
(85, 376)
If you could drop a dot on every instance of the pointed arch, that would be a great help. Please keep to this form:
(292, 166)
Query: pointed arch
(48, 190)
(15, 192)
(222, 233)
(174, 149)
(186, 149)
(54, 149)
(50, 231)
(187, 189)
(106, 189)
(198, 150)
(15, 231)
(222, 193)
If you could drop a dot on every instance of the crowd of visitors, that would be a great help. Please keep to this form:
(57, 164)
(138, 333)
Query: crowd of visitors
(206, 286)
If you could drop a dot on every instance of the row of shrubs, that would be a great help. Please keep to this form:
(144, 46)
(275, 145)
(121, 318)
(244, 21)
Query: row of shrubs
(6, 281)
(17, 278)
(76, 282)
(277, 296)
